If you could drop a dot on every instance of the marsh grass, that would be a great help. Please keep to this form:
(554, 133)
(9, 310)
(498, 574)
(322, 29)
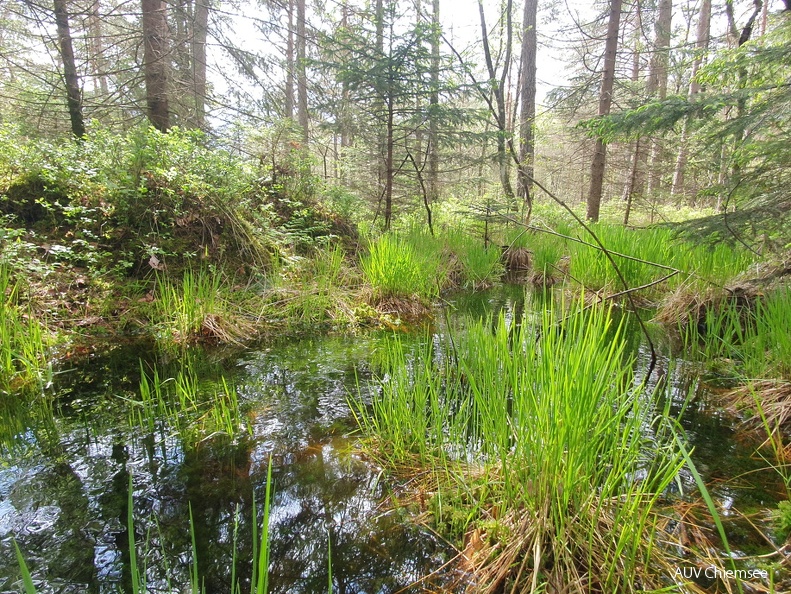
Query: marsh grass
(594, 270)
(318, 290)
(480, 266)
(754, 336)
(189, 408)
(24, 364)
(544, 453)
(183, 308)
(404, 266)
(198, 308)
(548, 264)
(749, 343)
(699, 265)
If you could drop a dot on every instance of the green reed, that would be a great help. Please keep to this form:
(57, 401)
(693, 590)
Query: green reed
(591, 267)
(538, 438)
(397, 266)
(182, 309)
(754, 338)
(318, 290)
(480, 265)
(24, 364)
(702, 264)
(192, 409)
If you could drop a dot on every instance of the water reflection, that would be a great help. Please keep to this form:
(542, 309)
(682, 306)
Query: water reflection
(64, 476)
(64, 495)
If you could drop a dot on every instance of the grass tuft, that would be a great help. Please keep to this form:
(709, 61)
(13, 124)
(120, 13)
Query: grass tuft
(399, 266)
(24, 364)
(548, 463)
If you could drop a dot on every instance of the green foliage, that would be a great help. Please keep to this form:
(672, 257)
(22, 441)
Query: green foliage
(114, 200)
(315, 290)
(782, 520)
(24, 363)
(183, 310)
(736, 126)
(404, 266)
(547, 252)
(700, 263)
(192, 409)
(27, 580)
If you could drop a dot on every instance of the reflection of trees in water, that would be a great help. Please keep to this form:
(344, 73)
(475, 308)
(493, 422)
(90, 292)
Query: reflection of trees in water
(322, 495)
(325, 498)
(54, 526)
(319, 494)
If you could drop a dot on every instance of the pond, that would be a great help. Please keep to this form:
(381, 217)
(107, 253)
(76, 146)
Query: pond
(65, 476)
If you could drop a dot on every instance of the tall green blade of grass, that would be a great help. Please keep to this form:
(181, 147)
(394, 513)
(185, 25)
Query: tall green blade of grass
(27, 580)
(710, 505)
(235, 587)
(138, 586)
(260, 580)
(329, 562)
(194, 578)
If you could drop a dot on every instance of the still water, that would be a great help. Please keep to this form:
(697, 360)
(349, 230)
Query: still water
(65, 476)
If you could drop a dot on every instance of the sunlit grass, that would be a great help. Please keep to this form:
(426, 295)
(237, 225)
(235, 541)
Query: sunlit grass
(182, 309)
(699, 265)
(537, 438)
(480, 265)
(317, 290)
(755, 339)
(396, 266)
(24, 363)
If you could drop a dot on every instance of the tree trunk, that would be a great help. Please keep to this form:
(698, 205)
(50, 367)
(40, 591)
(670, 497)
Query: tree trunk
(302, 79)
(630, 184)
(701, 44)
(418, 97)
(73, 95)
(527, 117)
(344, 110)
(290, 62)
(433, 107)
(379, 104)
(605, 101)
(97, 60)
(657, 84)
(633, 173)
(741, 103)
(155, 67)
(200, 34)
(498, 85)
(389, 171)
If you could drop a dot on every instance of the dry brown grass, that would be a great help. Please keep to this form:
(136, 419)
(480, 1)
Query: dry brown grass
(516, 258)
(774, 397)
(408, 309)
(689, 303)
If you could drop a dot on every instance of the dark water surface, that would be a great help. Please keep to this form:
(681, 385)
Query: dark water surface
(64, 478)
